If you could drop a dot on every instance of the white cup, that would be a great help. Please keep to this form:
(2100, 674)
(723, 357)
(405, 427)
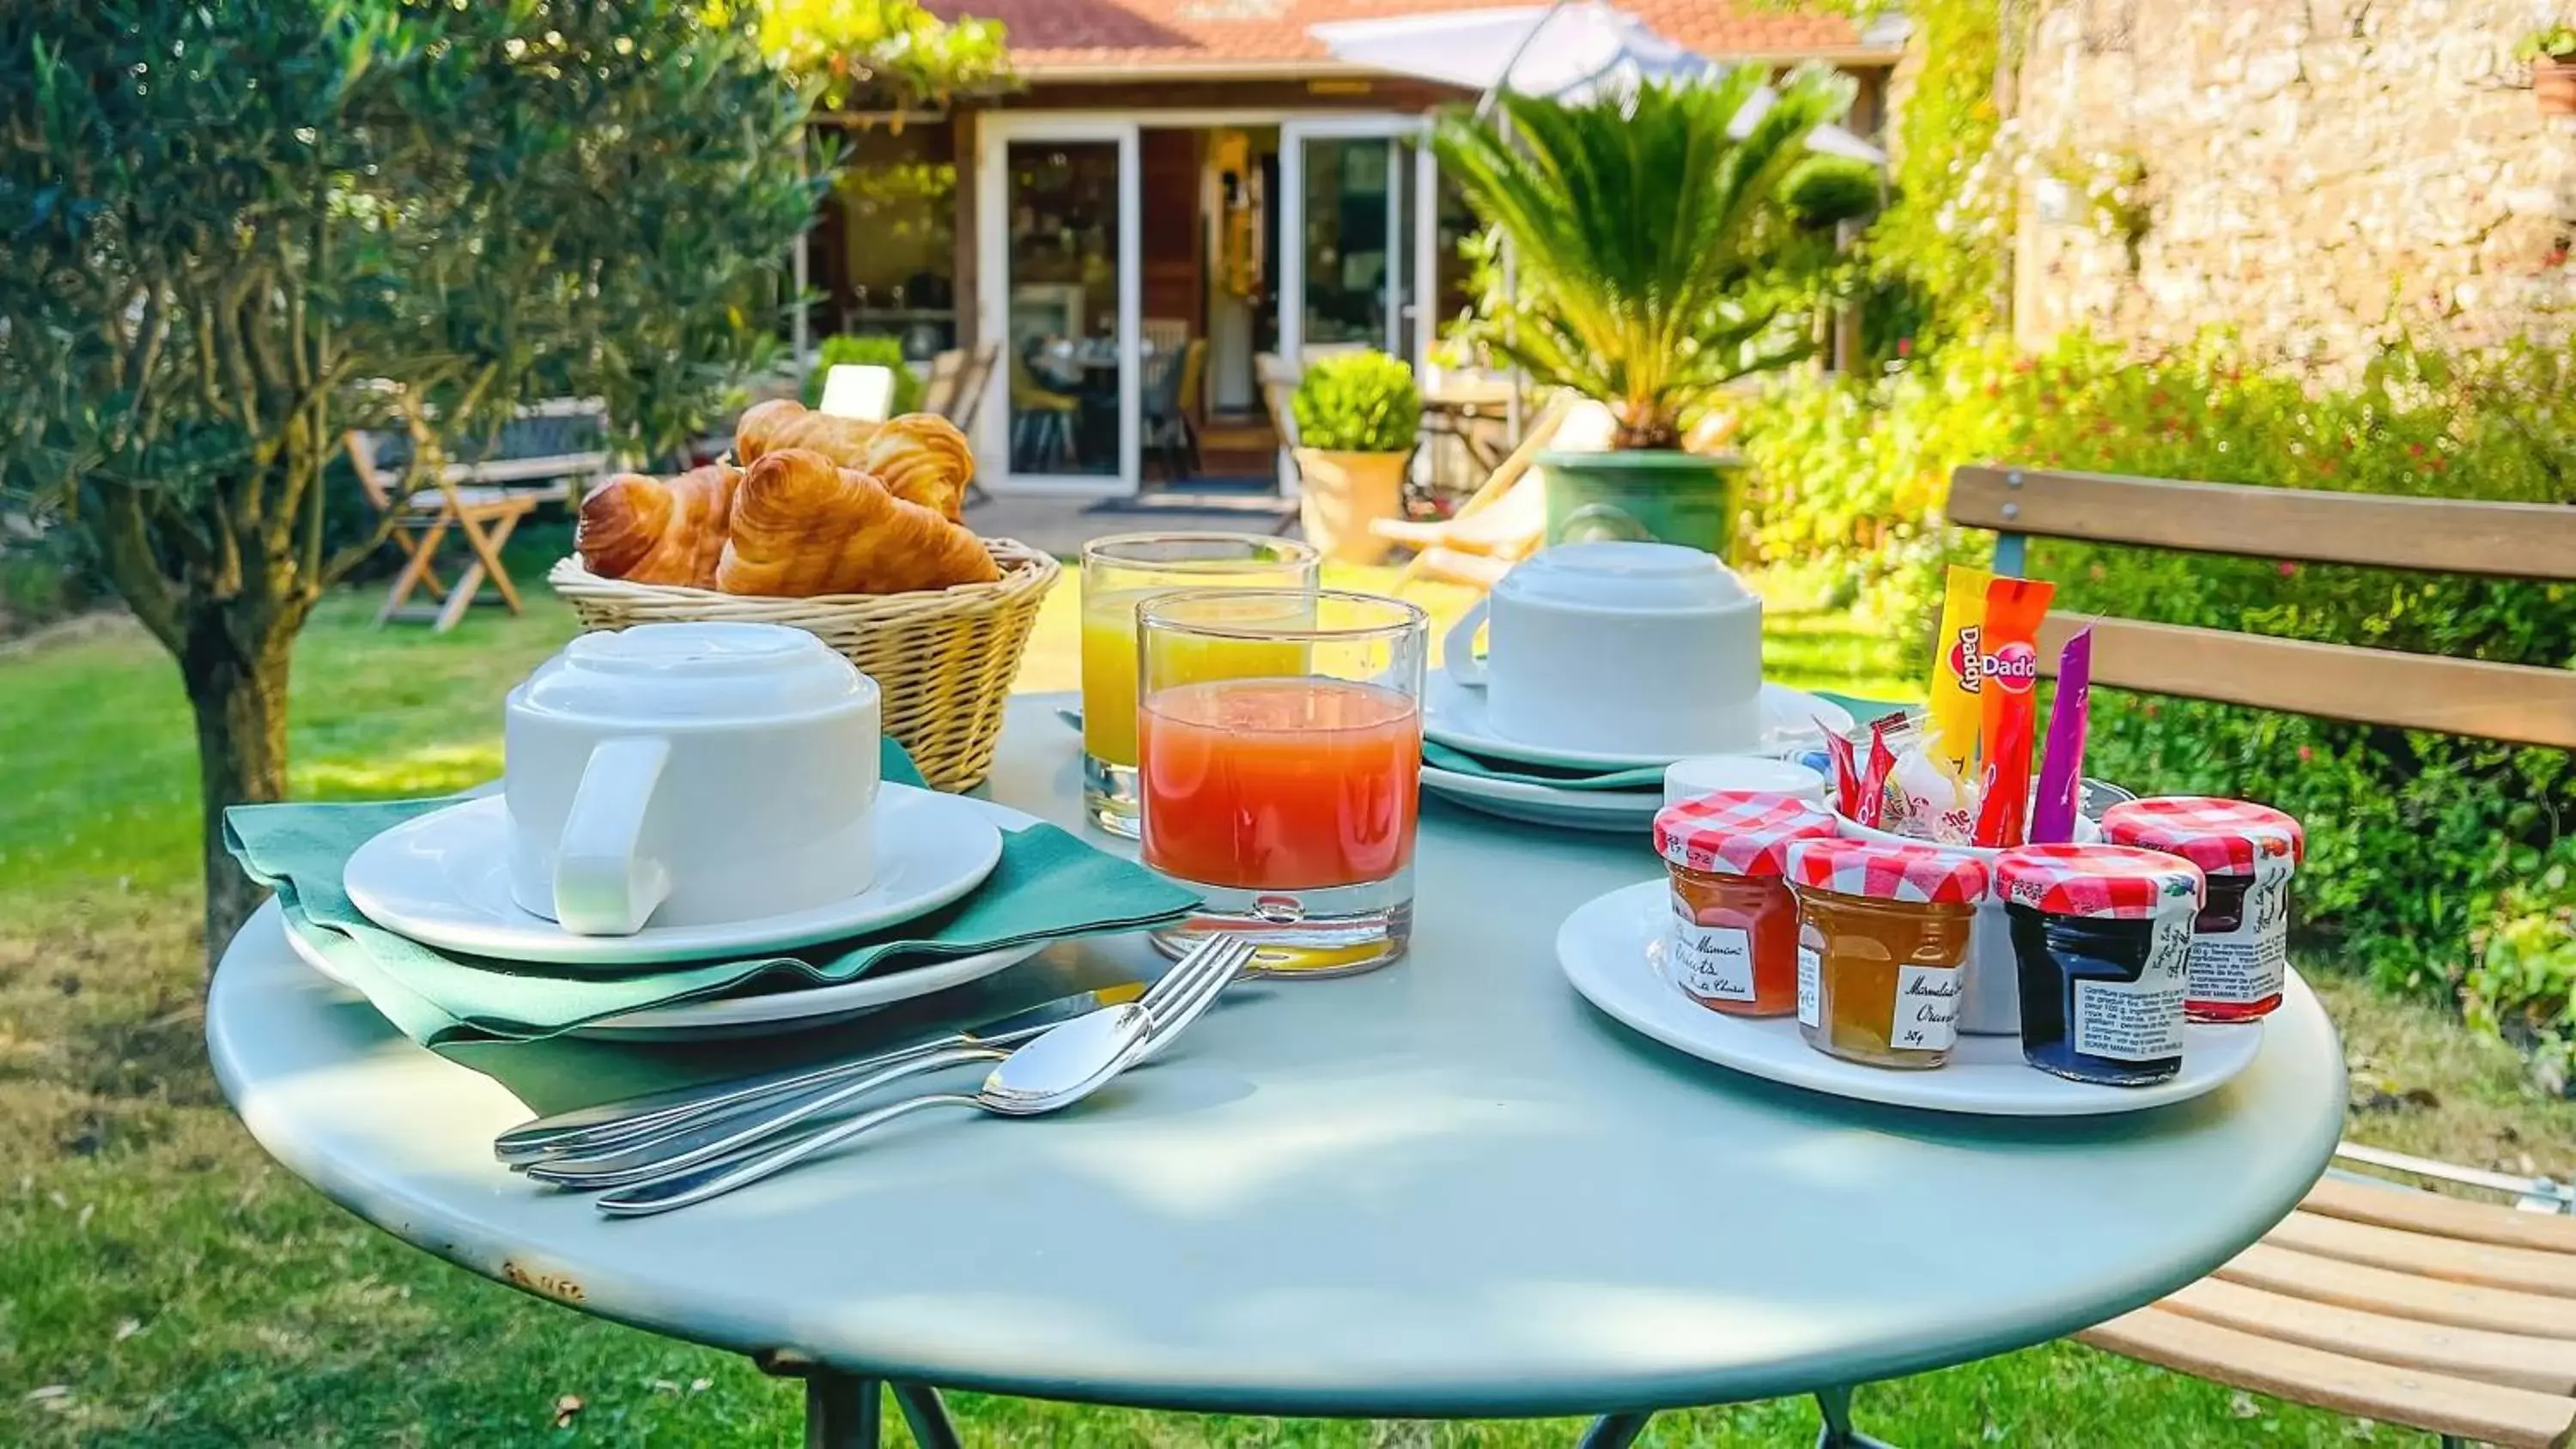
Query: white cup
(1617, 648)
(690, 775)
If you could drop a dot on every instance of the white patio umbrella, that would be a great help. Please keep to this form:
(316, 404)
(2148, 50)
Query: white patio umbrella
(1570, 51)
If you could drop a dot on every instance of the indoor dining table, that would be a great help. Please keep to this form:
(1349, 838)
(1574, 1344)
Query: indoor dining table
(1446, 1189)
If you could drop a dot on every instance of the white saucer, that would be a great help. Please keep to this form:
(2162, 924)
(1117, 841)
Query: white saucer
(1454, 715)
(1627, 812)
(771, 1012)
(1612, 948)
(443, 879)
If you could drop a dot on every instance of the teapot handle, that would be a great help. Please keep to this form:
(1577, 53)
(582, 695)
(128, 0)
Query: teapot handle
(1458, 647)
(606, 884)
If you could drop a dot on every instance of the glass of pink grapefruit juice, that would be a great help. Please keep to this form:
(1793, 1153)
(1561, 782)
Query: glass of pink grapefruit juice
(1287, 798)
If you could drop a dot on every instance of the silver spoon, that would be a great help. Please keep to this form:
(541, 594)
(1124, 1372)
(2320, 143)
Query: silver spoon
(669, 1148)
(1053, 1072)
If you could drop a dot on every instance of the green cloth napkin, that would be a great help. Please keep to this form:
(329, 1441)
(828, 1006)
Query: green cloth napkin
(1647, 777)
(1048, 885)
(1459, 762)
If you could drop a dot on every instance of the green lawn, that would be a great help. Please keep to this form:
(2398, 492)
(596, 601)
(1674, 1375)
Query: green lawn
(161, 1283)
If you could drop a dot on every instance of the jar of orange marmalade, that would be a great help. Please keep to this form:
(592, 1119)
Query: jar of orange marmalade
(1882, 933)
(1733, 946)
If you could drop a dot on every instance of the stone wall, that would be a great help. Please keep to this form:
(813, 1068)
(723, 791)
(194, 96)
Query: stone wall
(2308, 172)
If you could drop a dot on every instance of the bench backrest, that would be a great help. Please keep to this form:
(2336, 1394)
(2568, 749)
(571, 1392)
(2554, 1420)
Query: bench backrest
(2515, 703)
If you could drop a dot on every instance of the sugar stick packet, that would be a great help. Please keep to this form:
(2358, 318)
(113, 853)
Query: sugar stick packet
(1846, 773)
(1882, 760)
(2061, 770)
(2008, 670)
(1956, 715)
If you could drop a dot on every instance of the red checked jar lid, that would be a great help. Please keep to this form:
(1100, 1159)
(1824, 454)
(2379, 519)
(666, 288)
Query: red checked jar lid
(2222, 837)
(1877, 870)
(1737, 832)
(2102, 881)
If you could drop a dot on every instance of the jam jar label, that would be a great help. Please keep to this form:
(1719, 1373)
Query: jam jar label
(1927, 1009)
(1811, 973)
(2141, 1020)
(1714, 963)
(2249, 963)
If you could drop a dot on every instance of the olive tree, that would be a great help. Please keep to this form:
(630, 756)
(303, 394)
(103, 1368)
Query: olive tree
(229, 233)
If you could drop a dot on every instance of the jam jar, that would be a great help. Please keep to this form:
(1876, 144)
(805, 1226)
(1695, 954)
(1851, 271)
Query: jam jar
(2240, 946)
(2102, 943)
(1733, 945)
(1882, 933)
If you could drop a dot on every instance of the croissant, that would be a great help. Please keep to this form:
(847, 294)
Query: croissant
(765, 428)
(657, 532)
(802, 526)
(922, 458)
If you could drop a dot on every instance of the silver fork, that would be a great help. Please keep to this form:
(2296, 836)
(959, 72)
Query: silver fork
(1187, 988)
(1047, 1075)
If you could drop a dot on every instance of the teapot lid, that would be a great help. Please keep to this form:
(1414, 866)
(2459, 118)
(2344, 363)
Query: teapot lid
(1627, 576)
(671, 673)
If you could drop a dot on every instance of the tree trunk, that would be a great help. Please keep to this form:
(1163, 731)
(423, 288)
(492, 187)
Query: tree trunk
(234, 657)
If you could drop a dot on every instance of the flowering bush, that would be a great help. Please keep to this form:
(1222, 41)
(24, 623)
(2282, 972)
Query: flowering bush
(2434, 861)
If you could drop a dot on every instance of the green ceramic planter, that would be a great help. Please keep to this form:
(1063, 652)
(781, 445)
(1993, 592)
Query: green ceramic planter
(1661, 496)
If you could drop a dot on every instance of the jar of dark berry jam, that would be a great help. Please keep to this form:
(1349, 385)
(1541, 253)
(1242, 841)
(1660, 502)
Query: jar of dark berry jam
(2102, 945)
(1733, 945)
(2240, 947)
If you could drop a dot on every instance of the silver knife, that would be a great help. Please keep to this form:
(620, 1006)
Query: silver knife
(608, 1124)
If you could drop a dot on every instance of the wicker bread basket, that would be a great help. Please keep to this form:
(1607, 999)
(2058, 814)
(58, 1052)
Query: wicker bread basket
(944, 658)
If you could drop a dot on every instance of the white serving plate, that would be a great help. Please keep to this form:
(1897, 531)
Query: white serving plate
(443, 879)
(1626, 812)
(768, 1013)
(1611, 948)
(1454, 715)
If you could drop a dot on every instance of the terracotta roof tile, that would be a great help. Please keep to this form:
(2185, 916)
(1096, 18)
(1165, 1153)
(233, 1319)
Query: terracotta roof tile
(1057, 35)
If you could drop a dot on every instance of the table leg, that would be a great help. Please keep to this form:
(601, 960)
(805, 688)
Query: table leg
(1615, 1431)
(1838, 1432)
(926, 1415)
(842, 1411)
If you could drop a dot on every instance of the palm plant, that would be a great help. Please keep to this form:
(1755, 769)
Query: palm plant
(1650, 235)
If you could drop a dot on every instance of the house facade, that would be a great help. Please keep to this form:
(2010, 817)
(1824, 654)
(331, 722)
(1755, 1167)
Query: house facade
(1181, 188)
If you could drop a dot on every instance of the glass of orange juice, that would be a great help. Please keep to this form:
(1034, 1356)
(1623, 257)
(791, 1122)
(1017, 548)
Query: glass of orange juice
(1285, 797)
(1124, 569)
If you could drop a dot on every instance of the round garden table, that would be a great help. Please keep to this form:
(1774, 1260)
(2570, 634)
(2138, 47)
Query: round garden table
(1446, 1189)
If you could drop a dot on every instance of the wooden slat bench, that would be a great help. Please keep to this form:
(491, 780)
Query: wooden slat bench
(2455, 1317)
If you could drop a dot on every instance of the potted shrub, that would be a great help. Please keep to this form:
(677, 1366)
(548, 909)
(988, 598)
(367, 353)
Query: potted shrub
(2552, 53)
(1658, 258)
(1357, 416)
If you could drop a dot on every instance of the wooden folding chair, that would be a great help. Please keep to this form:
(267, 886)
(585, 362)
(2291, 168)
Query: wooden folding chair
(484, 515)
(1505, 519)
(966, 402)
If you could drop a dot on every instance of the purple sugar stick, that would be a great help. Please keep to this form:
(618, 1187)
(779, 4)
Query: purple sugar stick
(2061, 772)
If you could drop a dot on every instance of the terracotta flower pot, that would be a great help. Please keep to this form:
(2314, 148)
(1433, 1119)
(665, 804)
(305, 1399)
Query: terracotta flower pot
(1341, 494)
(2553, 83)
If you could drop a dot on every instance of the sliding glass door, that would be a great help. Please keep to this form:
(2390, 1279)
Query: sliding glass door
(1354, 249)
(1058, 247)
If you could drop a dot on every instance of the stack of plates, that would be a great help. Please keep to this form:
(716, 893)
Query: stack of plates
(1455, 716)
(442, 879)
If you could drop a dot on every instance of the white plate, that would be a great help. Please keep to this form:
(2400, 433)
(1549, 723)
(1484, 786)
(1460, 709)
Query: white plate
(443, 878)
(1454, 715)
(771, 1012)
(1612, 947)
(1628, 812)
